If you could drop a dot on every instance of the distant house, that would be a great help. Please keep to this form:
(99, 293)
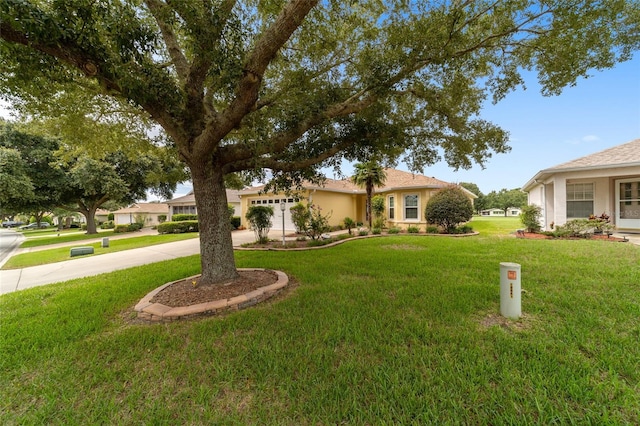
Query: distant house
(101, 215)
(405, 194)
(511, 212)
(151, 214)
(187, 204)
(605, 182)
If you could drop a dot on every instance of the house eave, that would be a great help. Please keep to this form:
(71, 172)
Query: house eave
(544, 174)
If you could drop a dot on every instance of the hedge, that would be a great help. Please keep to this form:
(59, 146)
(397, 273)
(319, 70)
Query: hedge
(183, 217)
(132, 227)
(178, 227)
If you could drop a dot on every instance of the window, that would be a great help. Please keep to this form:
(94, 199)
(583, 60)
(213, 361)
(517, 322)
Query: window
(579, 200)
(392, 207)
(411, 206)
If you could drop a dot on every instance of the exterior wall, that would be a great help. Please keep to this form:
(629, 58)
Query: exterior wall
(400, 220)
(338, 205)
(151, 219)
(552, 195)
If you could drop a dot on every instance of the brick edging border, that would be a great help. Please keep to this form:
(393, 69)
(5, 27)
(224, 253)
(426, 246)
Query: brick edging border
(359, 237)
(157, 312)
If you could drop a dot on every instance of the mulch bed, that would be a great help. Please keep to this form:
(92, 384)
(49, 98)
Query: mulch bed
(191, 292)
(536, 236)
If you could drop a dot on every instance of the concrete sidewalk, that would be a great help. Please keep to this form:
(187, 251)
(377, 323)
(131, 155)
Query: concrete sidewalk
(20, 279)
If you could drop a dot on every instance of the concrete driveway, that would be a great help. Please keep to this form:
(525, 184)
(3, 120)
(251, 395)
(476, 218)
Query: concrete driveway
(20, 279)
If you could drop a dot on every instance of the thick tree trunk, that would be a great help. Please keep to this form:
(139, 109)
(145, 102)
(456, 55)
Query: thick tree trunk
(216, 247)
(90, 216)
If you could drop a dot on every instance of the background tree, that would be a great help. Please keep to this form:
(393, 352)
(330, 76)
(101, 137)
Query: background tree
(369, 175)
(245, 87)
(116, 178)
(37, 158)
(506, 199)
(448, 207)
(15, 186)
(479, 203)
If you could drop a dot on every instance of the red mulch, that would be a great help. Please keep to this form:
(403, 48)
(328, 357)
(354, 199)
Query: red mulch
(536, 236)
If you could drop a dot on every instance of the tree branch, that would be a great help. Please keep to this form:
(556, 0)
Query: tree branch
(159, 11)
(267, 46)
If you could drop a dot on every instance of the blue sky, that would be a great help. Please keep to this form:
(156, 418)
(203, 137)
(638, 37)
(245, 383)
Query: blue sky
(598, 113)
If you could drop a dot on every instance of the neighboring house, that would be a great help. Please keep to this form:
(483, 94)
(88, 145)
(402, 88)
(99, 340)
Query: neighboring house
(101, 215)
(151, 214)
(406, 195)
(187, 204)
(605, 182)
(511, 212)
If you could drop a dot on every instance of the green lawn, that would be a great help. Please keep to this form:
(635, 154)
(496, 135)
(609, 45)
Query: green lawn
(393, 330)
(60, 254)
(37, 238)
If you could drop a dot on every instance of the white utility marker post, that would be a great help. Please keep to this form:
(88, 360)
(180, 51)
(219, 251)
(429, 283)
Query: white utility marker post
(510, 292)
(282, 208)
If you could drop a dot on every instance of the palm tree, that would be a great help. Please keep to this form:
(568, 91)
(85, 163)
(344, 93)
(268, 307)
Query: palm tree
(369, 175)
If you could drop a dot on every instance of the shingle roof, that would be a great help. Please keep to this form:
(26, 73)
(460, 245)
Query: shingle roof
(627, 153)
(145, 208)
(232, 197)
(396, 179)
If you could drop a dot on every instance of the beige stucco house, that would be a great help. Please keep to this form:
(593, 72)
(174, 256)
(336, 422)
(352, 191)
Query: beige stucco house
(605, 182)
(406, 195)
(150, 213)
(187, 204)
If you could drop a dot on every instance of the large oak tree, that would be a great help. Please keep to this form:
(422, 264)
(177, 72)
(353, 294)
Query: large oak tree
(291, 86)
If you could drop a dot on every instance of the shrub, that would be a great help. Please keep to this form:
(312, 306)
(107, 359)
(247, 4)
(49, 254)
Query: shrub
(110, 217)
(178, 227)
(413, 229)
(309, 220)
(377, 208)
(363, 232)
(582, 228)
(300, 217)
(235, 222)
(108, 225)
(162, 218)
(260, 219)
(376, 231)
(530, 217)
(433, 230)
(449, 207)
(348, 223)
(131, 227)
(394, 230)
(183, 217)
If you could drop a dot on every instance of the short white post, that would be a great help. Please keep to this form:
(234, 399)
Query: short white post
(283, 206)
(510, 292)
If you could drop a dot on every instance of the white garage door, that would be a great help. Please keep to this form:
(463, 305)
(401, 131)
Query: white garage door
(277, 213)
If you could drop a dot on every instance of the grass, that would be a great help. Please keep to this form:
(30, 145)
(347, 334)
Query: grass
(39, 238)
(393, 330)
(43, 257)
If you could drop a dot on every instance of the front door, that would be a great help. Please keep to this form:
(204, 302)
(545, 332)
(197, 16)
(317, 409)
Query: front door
(628, 203)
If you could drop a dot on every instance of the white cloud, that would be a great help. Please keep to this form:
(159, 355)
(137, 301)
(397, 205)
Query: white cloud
(590, 138)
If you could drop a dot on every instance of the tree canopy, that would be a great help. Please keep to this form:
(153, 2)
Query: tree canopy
(293, 86)
(46, 173)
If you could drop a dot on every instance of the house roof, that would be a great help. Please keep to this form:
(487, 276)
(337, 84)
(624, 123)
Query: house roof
(144, 208)
(620, 155)
(625, 155)
(232, 197)
(396, 179)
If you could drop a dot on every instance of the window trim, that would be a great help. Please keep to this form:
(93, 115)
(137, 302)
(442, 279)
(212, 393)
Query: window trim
(391, 209)
(579, 200)
(417, 207)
